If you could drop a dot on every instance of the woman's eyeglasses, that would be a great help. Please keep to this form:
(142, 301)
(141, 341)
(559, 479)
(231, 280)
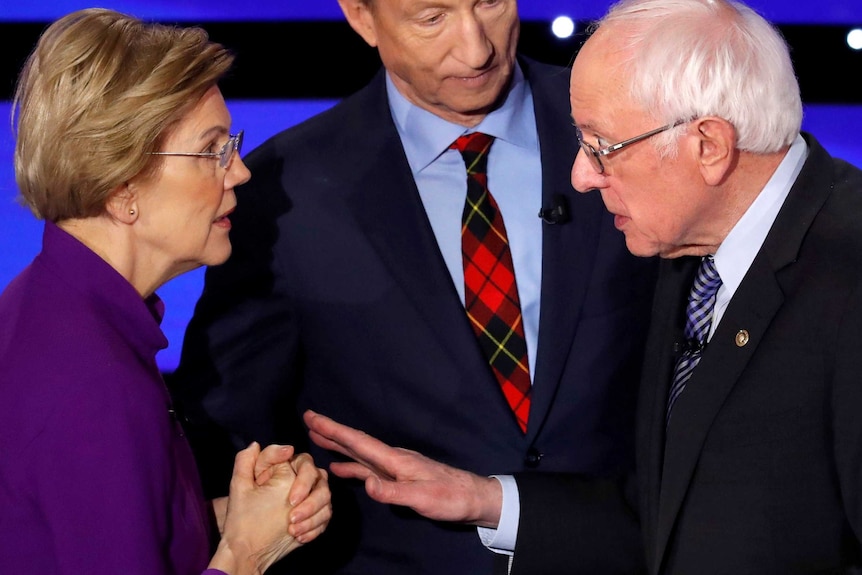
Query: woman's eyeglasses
(225, 155)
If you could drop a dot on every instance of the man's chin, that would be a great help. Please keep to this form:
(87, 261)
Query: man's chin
(641, 249)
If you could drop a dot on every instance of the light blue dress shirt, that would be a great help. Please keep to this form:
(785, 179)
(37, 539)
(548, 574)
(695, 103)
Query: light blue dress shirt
(739, 248)
(515, 181)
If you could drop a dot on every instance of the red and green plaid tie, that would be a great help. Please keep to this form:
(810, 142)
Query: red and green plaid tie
(491, 293)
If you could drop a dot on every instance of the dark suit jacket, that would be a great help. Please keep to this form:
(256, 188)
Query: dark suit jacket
(760, 470)
(337, 298)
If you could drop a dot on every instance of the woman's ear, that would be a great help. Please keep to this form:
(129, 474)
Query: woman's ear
(716, 148)
(123, 205)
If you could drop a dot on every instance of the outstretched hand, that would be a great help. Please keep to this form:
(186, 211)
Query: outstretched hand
(404, 477)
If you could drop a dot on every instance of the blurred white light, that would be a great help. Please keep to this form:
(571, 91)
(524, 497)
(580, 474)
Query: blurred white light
(563, 27)
(854, 38)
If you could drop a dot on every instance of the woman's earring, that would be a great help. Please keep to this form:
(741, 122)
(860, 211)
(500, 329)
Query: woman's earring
(131, 212)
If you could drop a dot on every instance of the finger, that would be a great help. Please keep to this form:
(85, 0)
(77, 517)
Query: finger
(309, 536)
(356, 445)
(346, 436)
(342, 435)
(319, 498)
(366, 450)
(390, 492)
(282, 472)
(311, 522)
(351, 470)
(307, 477)
(420, 497)
(270, 456)
(219, 506)
(328, 444)
(243, 466)
(309, 529)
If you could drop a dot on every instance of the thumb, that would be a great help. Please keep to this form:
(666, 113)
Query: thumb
(243, 465)
(375, 489)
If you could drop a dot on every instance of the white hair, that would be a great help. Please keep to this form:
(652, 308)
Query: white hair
(687, 59)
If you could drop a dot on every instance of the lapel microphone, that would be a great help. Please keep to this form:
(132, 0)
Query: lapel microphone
(558, 213)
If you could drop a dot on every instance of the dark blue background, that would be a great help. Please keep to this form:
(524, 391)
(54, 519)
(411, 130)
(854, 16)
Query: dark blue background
(837, 125)
(779, 11)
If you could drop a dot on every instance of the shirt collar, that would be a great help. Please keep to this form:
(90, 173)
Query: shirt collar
(739, 248)
(425, 136)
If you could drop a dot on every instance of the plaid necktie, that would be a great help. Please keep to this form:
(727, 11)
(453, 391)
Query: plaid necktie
(701, 301)
(491, 293)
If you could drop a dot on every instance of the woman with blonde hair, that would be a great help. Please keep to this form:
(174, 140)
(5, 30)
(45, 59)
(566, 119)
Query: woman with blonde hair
(124, 148)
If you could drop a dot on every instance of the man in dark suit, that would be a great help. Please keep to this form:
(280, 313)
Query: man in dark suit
(749, 445)
(346, 293)
(754, 464)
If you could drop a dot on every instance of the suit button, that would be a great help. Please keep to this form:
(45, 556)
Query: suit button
(533, 457)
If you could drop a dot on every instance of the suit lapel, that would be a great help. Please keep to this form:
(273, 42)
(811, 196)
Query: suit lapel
(753, 307)
(388, 209)
(568, 249)
(674, 282)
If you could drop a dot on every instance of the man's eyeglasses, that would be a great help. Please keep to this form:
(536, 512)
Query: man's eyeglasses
(595, 156)
(225, 155)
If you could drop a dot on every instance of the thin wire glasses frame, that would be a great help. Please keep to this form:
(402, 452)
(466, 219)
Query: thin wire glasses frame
(224, 155)
(595, 155)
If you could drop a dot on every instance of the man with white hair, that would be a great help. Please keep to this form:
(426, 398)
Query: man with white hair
(749, 440)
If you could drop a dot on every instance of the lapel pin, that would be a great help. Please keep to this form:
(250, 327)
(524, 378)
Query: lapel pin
(742, 338)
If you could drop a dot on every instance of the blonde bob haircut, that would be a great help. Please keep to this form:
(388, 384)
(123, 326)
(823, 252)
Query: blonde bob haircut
(99, 92)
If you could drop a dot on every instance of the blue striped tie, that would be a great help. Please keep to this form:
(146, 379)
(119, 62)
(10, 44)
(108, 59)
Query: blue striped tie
(701, 300)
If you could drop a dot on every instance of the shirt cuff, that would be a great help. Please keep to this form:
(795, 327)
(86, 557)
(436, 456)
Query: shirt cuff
(502, 539)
